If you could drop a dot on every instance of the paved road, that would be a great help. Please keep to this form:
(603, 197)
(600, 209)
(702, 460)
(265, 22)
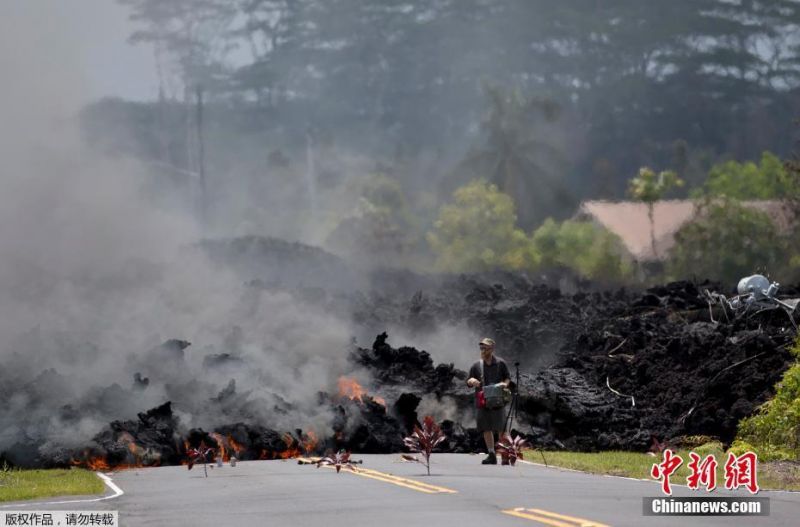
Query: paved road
(392, 493)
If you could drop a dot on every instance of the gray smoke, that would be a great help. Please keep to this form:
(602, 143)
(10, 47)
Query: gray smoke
(95, 276)
(100, 268)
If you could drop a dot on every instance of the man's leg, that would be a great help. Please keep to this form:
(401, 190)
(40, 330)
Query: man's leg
(488, 438)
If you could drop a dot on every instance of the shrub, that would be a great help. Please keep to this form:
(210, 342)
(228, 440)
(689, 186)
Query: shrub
(588, 249)
(478, 232)
(774, 431)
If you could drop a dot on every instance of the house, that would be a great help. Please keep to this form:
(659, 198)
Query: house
(629, 221)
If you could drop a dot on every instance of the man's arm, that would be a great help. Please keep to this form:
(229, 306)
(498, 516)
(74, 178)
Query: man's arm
(506, 375)
(472, 378)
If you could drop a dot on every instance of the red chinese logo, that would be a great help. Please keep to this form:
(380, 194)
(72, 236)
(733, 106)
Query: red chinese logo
(741, 472)
(665, 469)
(704, 472)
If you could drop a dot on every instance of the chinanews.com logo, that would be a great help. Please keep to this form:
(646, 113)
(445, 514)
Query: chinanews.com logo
(740, 472)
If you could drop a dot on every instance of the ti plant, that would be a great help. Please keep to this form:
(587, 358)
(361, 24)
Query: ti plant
(424, 440)
(510, 448)
(199, 454)
(656, 446)
(338, 460)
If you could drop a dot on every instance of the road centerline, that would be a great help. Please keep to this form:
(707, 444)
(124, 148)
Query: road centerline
(552, 518)
(412, 484)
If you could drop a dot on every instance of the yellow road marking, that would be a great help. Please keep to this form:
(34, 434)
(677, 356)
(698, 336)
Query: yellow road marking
(395, 482)
(552, 518)
(434, 488)
(389, 478)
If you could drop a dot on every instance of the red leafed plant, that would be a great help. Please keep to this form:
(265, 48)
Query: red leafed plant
(199, 454)
(338, 460)
(424, 440)
(656, 446)
(510, 448)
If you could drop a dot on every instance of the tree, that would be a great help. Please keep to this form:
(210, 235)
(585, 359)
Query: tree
(630, 80)
(726, 242)
(190, 36)
(745, 181)
(379, 227)
(590, 250)
(516, 158)
(649, 187)
(478, 232)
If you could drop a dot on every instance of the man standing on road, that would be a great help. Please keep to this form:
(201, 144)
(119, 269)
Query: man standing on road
(487, 371)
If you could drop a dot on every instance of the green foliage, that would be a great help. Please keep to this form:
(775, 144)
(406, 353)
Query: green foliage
(478, 232)
(590, 250)
(726, 242)
(774, 432)
(766, 180)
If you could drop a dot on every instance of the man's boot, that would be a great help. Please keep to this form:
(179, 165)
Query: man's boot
(491, 459)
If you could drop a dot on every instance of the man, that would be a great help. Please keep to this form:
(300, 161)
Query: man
(487, 371)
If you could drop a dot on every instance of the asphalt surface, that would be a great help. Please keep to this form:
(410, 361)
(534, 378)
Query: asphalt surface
(387, 492)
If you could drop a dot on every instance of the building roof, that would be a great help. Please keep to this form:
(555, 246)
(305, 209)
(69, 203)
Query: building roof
(629, 221)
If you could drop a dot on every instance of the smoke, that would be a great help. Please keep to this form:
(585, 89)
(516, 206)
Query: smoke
(96, 275)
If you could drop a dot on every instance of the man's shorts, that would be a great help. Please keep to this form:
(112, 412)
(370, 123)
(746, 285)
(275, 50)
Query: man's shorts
(491, 420)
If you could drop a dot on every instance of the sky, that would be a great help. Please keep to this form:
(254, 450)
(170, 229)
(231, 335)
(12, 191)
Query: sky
(93, 36)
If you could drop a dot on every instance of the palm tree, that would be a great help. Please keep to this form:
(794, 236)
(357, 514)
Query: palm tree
(514, 156)
(649, 187)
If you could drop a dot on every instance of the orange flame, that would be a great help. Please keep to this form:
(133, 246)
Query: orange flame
(221, 446)
(96, 462)
(311, 442)
(350, 388)
(237, 448)
(292, 449)
(290, 453)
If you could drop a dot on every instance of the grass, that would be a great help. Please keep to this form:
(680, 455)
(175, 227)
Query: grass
(17, 485)
(775, 475)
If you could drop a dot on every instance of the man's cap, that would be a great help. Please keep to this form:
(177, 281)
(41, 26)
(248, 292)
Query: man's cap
(487, 341)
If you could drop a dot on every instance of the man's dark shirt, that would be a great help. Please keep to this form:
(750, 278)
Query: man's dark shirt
(493, 373)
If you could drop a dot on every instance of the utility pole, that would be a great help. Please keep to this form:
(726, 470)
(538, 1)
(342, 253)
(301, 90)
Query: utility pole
(201, 162)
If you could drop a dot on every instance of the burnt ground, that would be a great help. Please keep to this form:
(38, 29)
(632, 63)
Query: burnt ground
(678, 374)
(679, 369)
(599, 370)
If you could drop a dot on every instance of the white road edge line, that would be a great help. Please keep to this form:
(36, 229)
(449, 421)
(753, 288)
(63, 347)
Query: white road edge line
(107, 480)
(635, 479)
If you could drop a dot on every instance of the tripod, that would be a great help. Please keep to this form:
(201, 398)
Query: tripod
(513, 409)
